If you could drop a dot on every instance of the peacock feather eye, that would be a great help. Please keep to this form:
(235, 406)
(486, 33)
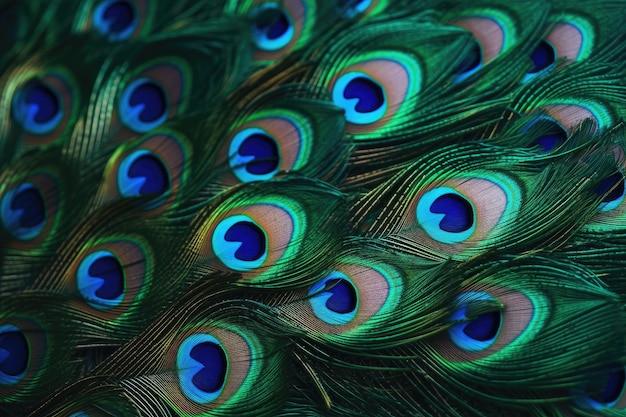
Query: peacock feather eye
(478, 333)
(45, 105)
(361, 96)
(14, 354)
(110, 276)
(572, 37)
(203, 367)
(116, 19)
(29, 208)
(100, 280)
(613, 389)
(268, 142)
(143, 173)
(373, 88)
(255, 238)
(38, 107)
(153, 93)
(470, 64)
(273, 28)
(446, 215)
(613, 190)
(488, 321)
(606, 389)
(354, 299)
(553, 136)
(143, 105)
(215, 365)
(334, 299)
(543, 57)
(552, 140)
(451, 217)
(570, 113)
(23, 211)
(24, 353)
(279, 27)
(254, 155)
(493, 30)
(240, 243)
(154, 166)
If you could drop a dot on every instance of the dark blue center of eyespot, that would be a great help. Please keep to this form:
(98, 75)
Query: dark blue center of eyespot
(211, 377)
(120, 15)
(110, 270)
(252, 240)
(552, 139)
(613, 185)
(155, 173)
(613, 387)
(30, 202)
(265, 152)
(370, 94)
(543, 56)
(153, 99)
(485, 327)
(471, 61)
(458, 213)
(274, 25)
(343, 298)
(16, 353)
(47, 102)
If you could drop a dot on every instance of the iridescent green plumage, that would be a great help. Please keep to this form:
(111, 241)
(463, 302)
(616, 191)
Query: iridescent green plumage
(312, 208)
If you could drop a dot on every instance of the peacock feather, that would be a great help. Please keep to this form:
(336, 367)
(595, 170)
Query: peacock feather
(312, 208)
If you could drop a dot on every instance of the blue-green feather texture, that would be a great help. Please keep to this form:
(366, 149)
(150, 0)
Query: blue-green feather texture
(312, 208)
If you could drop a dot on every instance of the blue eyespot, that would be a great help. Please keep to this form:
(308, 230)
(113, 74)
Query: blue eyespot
(143, 105)
(352, 8)
(446, 215)
(240, 243)
(614, 186)
(143, 173)
(80, 414)
(38, 108)
(334, 299)
(116, 19)
(479, 333)
(362, 98)
(470, 64)
(609, 390)
(554, 136)
(101, 280)
(272, 29)
(23, 212)
(14, 355)
(552, 140)
(202, 368)
(543, 57)
(254, 155)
